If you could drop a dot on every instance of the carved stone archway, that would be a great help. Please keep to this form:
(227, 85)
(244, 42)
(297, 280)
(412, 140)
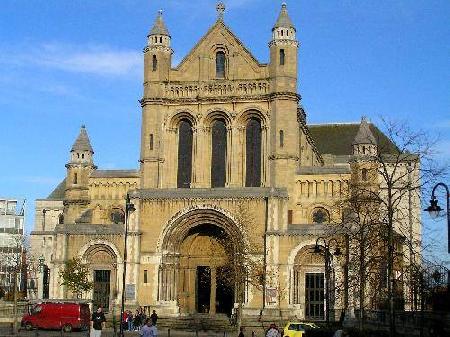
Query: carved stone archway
(199, 242)
(102, 261)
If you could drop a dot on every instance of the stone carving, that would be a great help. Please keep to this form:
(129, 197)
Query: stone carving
(216, 88)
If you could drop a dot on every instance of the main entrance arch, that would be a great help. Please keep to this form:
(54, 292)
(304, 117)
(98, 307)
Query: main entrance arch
(199, 248)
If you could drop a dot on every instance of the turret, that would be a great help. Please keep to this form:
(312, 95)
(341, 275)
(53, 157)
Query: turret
(79, 168)
(284, 133)
(283, 54)
(157, 54)
(364, 142)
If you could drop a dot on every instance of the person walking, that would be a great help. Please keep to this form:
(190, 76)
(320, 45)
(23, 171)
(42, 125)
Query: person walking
(148, 330)
(241, 332)
(97, 322)
(154, 317)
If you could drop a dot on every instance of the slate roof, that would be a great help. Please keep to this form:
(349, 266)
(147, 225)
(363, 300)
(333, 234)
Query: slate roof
(59, 192)
(283, 20)
(82, 143)
(159, 28)
(337, 139)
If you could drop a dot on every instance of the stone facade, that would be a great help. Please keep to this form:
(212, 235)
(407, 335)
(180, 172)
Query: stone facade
(228, 168)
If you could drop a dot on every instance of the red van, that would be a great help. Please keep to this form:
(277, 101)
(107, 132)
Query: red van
(58, 315)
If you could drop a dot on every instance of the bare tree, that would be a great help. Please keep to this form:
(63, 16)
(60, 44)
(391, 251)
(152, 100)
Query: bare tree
(382, 215)
(18, 261)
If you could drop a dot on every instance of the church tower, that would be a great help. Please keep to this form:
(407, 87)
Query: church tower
(79, 168)
(157, 65)
(364, 164)
(284, 128)
(364, 142)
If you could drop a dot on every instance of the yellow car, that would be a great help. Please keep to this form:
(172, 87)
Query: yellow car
(298, 329)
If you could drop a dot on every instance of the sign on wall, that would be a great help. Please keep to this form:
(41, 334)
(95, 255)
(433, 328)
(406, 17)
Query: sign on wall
(130, 291)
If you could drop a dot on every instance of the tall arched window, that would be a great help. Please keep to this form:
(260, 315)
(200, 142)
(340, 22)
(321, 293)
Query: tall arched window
(282, 57)
(154, 63)
(184, 154)
(219, 153)
(253, 153)
(220, 64)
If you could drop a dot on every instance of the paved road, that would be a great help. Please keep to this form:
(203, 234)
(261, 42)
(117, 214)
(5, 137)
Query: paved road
(6, 332)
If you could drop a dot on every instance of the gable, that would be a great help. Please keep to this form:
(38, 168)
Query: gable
(200, 61)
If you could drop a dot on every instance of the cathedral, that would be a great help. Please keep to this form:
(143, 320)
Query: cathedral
(233, 191)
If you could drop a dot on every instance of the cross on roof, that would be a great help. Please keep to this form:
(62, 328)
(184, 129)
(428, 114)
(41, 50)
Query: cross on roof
(220, 8)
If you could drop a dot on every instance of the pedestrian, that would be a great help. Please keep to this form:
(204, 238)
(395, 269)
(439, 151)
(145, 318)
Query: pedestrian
(154, 317)
(241, 332)
(137, 321)
(129, 320)
(97, 322)
(273, 331)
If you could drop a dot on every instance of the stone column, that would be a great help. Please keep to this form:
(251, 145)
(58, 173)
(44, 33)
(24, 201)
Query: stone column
(212, 298)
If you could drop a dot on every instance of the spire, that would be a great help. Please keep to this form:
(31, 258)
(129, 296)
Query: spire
(82, 142)
(159, 28)
(364, 135)
(283, 20)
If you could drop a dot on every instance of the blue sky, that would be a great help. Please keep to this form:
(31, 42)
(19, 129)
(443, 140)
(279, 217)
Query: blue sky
(66, 63)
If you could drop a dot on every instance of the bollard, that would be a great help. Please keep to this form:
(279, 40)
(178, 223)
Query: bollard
(253, 334)
(168, 332)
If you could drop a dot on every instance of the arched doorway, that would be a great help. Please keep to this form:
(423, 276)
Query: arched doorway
(102, 262)
(309, 283)
(198, 264)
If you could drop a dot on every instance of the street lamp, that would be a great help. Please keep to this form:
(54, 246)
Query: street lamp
(129, 208)
(325, 250)
(434, 209)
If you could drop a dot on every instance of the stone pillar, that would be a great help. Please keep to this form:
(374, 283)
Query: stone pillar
(212, 298)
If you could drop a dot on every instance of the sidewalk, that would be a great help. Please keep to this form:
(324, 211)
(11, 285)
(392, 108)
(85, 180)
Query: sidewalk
(6, 332)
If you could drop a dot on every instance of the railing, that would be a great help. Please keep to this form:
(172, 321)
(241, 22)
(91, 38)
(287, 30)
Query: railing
(215, 88)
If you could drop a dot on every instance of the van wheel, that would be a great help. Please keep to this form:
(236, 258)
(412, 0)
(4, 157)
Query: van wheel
(28, 326)
(67, 328)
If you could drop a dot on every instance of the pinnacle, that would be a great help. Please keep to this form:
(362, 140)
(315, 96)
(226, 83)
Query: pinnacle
(159, 28)
(364, 135)
(283, 20)
(82, 143)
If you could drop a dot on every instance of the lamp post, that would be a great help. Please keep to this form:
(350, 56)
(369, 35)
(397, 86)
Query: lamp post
(434, 209)
(325, 250)
(129, 208)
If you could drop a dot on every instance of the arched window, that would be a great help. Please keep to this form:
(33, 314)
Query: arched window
(184, 154)
(75, 178)
(281, 138)
(154, 63)
(220, 64)
(282, 56)
(320, 215)
(117, 216)
(253, 153)
(219, 153)
(364, 174)
(61, 219)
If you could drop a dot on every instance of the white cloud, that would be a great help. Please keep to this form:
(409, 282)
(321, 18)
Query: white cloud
(97, 60)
